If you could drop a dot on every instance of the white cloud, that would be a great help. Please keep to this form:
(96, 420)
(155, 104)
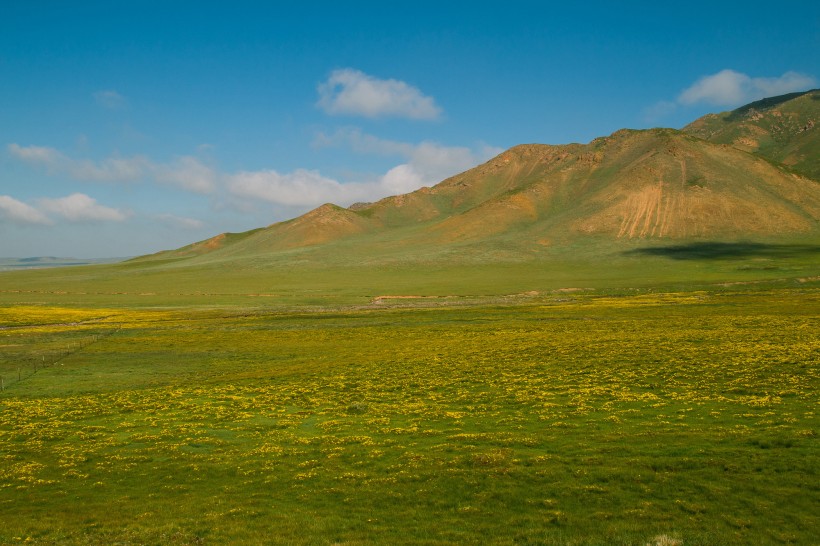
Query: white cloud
(184, 172)
(724, 88)
(20, 213)
(731, 88)
(436, 162)
(352, 92)
(298, 188)
(112, 169)
(428, 164)
(34, 154)
(76, 207)
(400, 179)
(109, 99)
(79, 207)
(425, 164)
(787, 83)
(362, 143)
(187, 173)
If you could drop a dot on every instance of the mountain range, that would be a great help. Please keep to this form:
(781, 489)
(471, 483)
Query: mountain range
(751, 173)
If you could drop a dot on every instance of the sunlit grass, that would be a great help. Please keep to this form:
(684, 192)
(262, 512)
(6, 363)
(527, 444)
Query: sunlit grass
(683, 418)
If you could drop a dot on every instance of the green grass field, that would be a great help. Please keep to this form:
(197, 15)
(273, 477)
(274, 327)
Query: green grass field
(347, 274)
(610, 343)
(607, 417)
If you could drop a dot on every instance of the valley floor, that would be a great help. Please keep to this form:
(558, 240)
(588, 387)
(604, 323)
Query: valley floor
(680, 418)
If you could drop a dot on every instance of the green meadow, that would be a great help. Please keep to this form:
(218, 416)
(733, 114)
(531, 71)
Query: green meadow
(609, 343)
(516, 407)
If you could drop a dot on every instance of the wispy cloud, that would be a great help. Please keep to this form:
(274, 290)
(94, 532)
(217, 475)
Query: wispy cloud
(362, 143)
(422, 164)
(109, 99)
(112, 169)
(186, 172)
(35, 154)
(76, 207)
(352, 92)
(299, 188)
(425, 164)
(79, 207)
(18, 212)
(729, 88)
(175, 221)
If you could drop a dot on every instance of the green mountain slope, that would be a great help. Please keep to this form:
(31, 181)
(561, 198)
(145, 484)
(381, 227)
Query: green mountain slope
(785, 129)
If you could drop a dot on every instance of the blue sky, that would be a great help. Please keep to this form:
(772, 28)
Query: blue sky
(132, 127)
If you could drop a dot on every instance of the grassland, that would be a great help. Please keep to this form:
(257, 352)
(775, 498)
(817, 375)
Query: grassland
(566, 345)
(350, 273)
(625, 417)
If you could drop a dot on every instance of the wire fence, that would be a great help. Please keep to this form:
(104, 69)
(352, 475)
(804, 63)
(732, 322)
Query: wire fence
(19, 365)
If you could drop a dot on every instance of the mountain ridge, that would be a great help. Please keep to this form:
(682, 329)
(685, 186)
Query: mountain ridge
(704, 181)
(778, 128)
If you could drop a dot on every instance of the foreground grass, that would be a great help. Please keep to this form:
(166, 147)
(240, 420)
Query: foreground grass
(576, 419)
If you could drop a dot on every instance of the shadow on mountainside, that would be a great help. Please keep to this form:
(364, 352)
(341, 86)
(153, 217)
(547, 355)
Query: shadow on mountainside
(716, 250)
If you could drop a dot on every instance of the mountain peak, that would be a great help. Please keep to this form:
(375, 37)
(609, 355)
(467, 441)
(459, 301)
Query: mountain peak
(783, 129)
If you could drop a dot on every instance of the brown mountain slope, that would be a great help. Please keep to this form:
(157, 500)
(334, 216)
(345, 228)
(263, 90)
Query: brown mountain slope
(658, 183)
(719, 179)
(319, 226)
